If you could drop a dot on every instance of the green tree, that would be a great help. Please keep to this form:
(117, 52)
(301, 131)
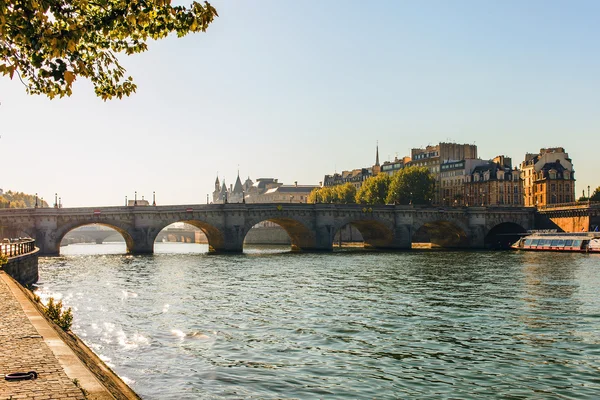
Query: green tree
(411, 185)
(345, 194)
(374, 190)
(596, 195)
(50, 43)
(340, 194)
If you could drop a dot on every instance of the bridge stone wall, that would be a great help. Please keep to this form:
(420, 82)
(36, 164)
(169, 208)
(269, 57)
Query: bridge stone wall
(569, 218)
(311, 227)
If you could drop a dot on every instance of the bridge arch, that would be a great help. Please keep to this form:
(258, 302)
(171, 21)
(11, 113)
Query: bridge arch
(214, 235)
(502, 235)
(441, 233)
(301, 236)
(57, 236)
(376, 233)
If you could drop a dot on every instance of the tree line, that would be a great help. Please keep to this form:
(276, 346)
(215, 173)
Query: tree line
(12, 199)
(410, 185)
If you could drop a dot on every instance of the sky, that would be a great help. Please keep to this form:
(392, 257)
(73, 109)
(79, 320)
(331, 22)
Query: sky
(295, 90)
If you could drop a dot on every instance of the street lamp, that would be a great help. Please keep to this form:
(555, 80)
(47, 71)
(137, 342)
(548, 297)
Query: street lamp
(135, 199)
(126, 201)
(588, 193)
(153, 198)
(206, 198)
(56, 199)
(36, 200)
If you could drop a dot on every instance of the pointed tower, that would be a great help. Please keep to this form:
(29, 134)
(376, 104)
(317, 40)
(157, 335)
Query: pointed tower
(216, 191)
(237, 194)
(376, 167)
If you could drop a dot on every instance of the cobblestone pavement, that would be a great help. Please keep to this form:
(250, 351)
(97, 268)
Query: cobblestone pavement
(22, 349)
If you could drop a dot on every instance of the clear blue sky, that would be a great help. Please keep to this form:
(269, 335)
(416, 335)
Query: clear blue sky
(297, 89)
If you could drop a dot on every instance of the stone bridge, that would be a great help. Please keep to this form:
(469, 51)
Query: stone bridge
(311, 227)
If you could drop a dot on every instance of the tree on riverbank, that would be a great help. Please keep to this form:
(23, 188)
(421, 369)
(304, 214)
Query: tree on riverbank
(48, 44)
(374, 190)
(340, 194)
(411, 185)
(12, 199)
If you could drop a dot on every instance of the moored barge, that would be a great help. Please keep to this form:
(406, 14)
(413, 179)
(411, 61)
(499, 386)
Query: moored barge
(583, 242)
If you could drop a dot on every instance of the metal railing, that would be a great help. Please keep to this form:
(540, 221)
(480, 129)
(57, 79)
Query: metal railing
(16, 247)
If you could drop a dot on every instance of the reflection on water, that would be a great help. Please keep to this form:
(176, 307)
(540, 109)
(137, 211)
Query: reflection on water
(182, 324)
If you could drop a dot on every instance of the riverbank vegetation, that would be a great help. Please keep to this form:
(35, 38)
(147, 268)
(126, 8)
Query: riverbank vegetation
(410, 185)
(12, 199)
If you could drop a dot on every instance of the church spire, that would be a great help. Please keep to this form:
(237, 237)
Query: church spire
(377, 155)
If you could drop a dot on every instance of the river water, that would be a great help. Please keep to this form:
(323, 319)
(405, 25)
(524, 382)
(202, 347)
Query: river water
(268, 324)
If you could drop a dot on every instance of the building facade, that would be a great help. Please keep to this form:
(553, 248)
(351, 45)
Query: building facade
(432, 157)
(264, 190)
(453, 176)
(494, 183)
(548, 178)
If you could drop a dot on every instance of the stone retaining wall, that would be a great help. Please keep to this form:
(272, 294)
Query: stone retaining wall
(23, 268)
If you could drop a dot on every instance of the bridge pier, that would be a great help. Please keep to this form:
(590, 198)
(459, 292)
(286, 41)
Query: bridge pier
(477, 237)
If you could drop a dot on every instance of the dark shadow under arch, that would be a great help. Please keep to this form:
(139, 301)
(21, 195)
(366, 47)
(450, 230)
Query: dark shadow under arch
(374, 234)
(443, 234)
(503, 235)
(300, 236)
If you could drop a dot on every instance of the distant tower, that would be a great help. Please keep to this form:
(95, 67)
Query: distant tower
(237, 194)
(376, 168)
(217, 191)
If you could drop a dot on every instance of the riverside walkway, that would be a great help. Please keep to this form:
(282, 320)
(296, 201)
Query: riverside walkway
(29, 343)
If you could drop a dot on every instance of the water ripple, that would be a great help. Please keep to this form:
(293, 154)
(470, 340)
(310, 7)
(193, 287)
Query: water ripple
(271, 324)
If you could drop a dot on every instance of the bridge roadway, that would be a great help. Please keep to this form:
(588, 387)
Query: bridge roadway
(311, 227)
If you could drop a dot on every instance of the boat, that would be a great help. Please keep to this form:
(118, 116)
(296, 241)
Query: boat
(582, 242)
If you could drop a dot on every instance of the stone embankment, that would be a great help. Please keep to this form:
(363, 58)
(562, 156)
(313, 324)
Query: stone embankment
(66, 367)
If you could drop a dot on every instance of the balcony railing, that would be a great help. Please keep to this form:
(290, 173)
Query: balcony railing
(16, 247)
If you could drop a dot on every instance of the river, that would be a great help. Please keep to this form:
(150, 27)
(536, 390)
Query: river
(182, 324)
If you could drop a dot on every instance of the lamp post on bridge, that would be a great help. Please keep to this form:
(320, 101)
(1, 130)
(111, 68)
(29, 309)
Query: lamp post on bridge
(126, 204)
(55, 200)
(153, 198)
(135, 199)
(36, 200)
(588, 194)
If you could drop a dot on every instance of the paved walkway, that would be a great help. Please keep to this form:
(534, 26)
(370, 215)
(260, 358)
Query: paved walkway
(23, 349)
